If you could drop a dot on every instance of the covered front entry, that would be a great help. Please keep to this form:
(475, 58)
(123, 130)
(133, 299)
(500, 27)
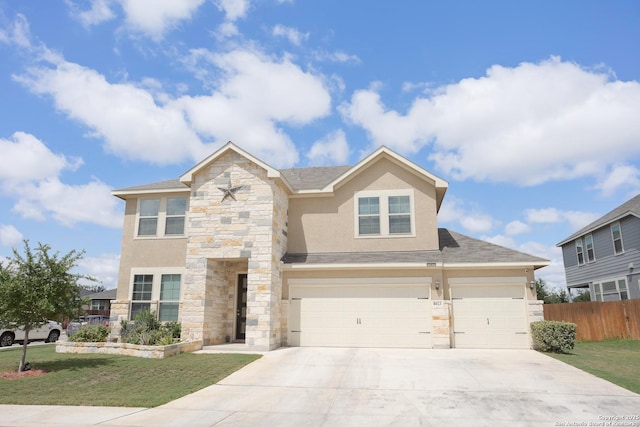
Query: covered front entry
(349, 314)
(489, 316)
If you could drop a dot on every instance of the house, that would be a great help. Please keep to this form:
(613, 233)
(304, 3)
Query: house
(604, 256)
(100, 302)
(324, 256)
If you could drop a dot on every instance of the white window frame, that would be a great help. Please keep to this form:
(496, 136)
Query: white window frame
(613, 239)
(156, 272)
(586, 248)
(383, 197)
(162, 218)
(580, 245)
(598, 292)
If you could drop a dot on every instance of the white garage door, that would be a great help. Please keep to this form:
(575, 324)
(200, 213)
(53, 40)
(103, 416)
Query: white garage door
(360, 316)
(489, 316)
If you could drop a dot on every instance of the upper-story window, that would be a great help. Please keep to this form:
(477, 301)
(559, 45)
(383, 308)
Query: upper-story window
(580, 251)
(386, 213)
(588, 242)
(616, 234)
(158, 217)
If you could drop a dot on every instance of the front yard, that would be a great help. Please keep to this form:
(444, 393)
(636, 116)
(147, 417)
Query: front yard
(617, 361)
(106, 380)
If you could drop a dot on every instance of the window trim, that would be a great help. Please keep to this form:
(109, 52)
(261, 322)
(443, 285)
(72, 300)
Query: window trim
(599, 295)
(586, 247)
(383, 198)
(157, 273)
(613, 239)
(579, 245)
(161, 225)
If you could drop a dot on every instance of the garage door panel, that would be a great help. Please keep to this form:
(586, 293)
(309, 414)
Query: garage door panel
(497, 319)
(361, 316)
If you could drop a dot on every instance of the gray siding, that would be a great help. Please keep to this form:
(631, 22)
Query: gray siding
(607, 265)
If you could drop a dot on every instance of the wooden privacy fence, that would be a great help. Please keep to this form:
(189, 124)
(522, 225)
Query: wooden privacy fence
(599, 321)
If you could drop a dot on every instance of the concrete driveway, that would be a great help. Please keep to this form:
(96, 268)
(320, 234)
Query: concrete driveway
(381, 387)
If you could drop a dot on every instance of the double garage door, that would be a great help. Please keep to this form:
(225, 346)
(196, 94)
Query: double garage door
(360, 315)
(486, 316)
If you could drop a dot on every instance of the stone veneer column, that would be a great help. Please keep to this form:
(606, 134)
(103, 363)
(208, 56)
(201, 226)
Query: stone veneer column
(252, 229)
(441, 326)
(119, 311)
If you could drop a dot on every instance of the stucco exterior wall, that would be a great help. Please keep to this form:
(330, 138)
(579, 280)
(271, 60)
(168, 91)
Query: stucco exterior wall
(312, 220)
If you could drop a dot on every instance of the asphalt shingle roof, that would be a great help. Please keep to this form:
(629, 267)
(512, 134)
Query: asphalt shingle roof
(172, 184)
(108, 294)
(630, 207)
(314, 178)
(454, 248)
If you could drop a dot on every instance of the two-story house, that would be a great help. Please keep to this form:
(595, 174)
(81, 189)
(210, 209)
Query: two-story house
(324, 256)
(604, 256)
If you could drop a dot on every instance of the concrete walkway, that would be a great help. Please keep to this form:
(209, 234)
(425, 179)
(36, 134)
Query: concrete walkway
(375, 387)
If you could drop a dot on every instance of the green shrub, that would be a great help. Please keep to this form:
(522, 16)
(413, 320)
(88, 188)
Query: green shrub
(553, 336)
(145, 329)
(91, 333)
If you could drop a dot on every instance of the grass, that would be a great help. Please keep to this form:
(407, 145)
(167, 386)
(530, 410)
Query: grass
(107, 380)
(617, 361)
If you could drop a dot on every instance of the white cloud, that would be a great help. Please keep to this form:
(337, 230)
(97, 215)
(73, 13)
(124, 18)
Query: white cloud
(333, 149)
(620, 176)
(233, 9)
(254, 94)
(9, 235)
(529, 124)
(294, 36)
(472, 219)
(17, 33)
(100, 11)
(69, 204)
(30, 175)
(515, 228)
(28, 159)
(337, 56)
(576, 219)
(104, 268)
(129, 120)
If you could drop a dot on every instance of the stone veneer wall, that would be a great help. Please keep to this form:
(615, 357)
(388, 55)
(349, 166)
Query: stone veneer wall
(441, 326)
(284, 316)
(251, 229)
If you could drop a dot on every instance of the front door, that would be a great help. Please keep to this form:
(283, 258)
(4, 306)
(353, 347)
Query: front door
(241, 307)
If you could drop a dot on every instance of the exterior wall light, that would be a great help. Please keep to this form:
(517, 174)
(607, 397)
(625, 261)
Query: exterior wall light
(437, 285)
(532, 285)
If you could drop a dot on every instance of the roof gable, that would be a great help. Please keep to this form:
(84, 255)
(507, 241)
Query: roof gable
(630, 207)
(187, 177)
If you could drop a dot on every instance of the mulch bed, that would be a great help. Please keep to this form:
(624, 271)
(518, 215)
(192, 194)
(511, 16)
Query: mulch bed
(25, 374)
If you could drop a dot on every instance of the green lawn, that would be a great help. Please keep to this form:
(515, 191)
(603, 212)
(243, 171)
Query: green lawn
(617, 361)
(106, 380)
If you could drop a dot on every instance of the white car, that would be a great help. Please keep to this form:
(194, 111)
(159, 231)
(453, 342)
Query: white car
(50, 332)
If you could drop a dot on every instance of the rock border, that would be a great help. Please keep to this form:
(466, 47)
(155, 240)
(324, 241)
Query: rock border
(123, 349)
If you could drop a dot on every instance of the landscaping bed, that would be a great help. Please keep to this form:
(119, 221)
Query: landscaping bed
(124, 349)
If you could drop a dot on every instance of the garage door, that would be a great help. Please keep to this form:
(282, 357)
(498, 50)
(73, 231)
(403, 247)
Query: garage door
(489, 316)
(360, 316)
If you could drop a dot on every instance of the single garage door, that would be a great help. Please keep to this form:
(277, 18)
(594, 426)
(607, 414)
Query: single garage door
(360, 316)
(487, 316)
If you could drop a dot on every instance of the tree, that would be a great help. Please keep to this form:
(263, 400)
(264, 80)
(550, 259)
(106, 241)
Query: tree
(583, 296)
(38, 286)
(95, 288)
(550, 296)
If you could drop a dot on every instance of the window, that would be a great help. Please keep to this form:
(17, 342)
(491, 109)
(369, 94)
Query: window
(176, 208)
(369, 215)
(384, 213)
(169, 297)
(580, 252)
(162, 217)
(141, 296)
(611, 290)
(588, 242)
(148, 222)
(399, 215)
(98, 304)
(616, 234)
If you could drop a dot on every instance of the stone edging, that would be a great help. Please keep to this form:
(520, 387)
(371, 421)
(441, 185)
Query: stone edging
(146, 351)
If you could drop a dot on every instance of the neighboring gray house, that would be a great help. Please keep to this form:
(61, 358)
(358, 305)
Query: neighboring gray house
(604, 256)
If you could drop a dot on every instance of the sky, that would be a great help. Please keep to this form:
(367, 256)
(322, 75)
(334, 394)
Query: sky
(530, 110)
